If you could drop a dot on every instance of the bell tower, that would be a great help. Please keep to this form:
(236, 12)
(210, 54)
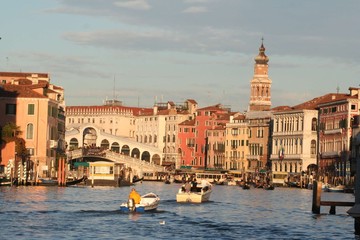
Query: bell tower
(260, 85)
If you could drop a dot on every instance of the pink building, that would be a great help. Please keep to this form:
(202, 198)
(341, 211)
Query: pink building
(336, 114)
(37, 108)
(193, 134)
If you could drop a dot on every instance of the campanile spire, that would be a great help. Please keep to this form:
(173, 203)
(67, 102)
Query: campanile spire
(260, 85)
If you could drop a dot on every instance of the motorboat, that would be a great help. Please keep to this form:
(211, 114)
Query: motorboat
(339, 188)
(148, 202)
(197, 195)
(47, 182)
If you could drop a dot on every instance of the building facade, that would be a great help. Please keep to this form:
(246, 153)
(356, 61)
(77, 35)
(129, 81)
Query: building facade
(335, 120)
(37, 108)
(237, 143)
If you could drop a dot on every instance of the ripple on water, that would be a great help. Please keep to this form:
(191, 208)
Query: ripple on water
(232, 213)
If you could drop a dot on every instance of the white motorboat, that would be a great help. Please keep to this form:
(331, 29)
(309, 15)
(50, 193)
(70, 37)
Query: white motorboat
(148, 202)
(198, 195)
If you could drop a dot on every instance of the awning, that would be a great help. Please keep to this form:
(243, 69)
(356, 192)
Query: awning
(81, 164)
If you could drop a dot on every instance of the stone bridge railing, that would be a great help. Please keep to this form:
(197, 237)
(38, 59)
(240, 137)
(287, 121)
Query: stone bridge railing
(135, 163)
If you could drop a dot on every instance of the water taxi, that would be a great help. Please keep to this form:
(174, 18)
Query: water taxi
(199, 194)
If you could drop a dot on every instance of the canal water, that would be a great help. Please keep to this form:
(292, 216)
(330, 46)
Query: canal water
(233, 213)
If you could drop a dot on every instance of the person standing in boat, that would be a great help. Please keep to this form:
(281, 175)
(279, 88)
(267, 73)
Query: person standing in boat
(187, 186)
(194, 185)
(135, 195)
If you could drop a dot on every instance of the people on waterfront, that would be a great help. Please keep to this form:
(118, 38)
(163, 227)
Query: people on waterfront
(135, 195)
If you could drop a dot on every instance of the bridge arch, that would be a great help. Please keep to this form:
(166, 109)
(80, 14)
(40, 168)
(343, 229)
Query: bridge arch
(135, 153)
(105, 144)
(125, 150)
(74, 143)
(115, 147)
(145, 156)
(89, 136)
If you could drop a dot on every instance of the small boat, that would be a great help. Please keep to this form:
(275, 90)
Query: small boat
(148, 202)
(339, 188)
(269, 187)
(5, 182)
(246, 186)
(198, 195)
(136, 179)
(167, 181)
(76, 181)
(47, 182)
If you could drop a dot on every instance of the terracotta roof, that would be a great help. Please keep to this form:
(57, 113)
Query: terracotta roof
(327, 98)
(240, 117)
(188, 123)
(23, 75)
(192, 101)
(10, 90)
(217, 107)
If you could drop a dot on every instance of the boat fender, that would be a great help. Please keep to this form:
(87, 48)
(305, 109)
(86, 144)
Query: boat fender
(131, 204)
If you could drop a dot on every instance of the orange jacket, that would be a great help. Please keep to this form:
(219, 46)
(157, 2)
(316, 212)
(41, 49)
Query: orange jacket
(136, 196)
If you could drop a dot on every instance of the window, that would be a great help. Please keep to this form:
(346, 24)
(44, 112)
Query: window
(10, 109)
(29, 131)
(31, 151)
(31, 109)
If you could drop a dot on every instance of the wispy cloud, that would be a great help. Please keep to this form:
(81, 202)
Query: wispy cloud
(133, 4)
(196, 1)
(195, 9)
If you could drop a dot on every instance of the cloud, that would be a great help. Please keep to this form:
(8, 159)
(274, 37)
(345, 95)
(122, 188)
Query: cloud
(195, 9)
(196, 1)
(133, 4)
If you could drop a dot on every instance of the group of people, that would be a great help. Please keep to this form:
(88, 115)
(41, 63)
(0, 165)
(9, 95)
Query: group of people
(190, 185)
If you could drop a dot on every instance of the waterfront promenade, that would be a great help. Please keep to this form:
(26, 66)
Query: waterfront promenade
(232, 213)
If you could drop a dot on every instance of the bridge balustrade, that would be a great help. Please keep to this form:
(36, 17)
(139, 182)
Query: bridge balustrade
(140, 165)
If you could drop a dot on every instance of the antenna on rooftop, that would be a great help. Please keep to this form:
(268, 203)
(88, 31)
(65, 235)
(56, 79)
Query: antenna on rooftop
(114, 89)
(337, 89)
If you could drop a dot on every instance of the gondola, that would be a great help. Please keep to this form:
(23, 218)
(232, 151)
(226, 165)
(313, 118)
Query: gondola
(135, 179)
(76, 181)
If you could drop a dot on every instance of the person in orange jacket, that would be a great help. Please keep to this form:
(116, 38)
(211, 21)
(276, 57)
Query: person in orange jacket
(135, 195)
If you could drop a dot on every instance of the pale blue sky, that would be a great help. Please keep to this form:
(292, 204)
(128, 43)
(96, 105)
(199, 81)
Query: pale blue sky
(180, 49)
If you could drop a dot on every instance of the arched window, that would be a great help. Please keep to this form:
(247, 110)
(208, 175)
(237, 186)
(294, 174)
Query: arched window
(30, 131)
(313, 124)
(313, 147)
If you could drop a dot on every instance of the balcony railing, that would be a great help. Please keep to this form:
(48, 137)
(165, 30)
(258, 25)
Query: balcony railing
(333, 131)
(253, 157)
(330, 154)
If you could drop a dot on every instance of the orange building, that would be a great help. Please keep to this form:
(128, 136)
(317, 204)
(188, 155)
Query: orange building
(37, 109)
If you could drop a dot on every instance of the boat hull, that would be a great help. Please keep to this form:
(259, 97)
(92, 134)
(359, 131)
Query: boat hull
(149, 202)
(193, 197)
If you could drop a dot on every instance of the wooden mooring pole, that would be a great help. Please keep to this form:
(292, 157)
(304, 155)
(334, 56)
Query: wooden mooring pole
(316, 197)
(317, 189)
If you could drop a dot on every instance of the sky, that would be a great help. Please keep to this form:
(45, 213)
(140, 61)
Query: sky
(146, 51)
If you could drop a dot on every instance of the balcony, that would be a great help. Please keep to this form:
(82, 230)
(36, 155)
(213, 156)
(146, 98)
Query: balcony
(53, 143)
(333, 131)
(330, 154)
(253, 157)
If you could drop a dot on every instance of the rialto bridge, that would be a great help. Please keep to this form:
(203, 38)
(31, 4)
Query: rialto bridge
(114, 148)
